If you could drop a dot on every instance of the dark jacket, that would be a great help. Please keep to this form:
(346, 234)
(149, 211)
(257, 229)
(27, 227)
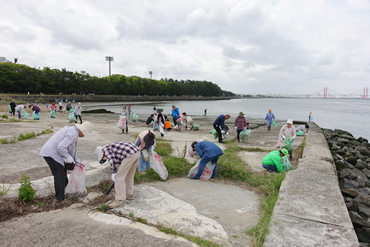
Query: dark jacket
(149, 120)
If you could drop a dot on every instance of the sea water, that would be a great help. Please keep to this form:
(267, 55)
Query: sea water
(352, 115)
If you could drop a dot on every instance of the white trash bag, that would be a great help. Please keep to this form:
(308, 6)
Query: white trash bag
(76, 184)
(158, 166)
(121, 124)
(207, 172)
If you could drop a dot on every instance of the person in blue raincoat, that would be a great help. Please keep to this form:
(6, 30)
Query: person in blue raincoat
(207, 151)
(268, 118)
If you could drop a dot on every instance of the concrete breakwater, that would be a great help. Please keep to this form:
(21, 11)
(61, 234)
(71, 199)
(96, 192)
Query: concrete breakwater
(110, 98)
(352, 160)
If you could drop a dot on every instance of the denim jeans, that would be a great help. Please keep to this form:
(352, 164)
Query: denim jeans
(19, 115)
(155, 125)
(203, 163)
(270, 167)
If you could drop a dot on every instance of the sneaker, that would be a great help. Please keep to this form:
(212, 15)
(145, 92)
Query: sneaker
(221, 142)
(129, 197)
(195, 179)
(290, 158)
(213, 179)
(116, 204)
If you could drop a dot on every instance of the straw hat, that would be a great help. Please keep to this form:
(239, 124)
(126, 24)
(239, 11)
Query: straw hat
(86, 128)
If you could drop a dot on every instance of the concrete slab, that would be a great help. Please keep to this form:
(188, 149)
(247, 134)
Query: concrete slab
(253, 159)
(233, 207)
(318, 145)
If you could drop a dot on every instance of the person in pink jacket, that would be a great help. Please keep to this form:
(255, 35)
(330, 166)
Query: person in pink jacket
(240, 124)
(179, 120)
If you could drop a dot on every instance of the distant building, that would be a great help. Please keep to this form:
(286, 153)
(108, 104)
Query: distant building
(3, 60)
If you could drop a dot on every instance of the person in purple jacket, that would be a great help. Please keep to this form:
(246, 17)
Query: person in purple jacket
(219, 125)
(36, 109)
(240, 124)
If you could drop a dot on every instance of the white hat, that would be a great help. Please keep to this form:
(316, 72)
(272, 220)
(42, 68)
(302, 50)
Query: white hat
(290, 121)
(99, 153)
(86, 127)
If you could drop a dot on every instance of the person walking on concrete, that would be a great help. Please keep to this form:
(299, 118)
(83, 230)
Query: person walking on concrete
(175, 113)
(61, 149)
(126, 156)
(219, 125)
(69, 106)
(288, 131)
(310, 116)
(12, 106)
(20, 109)
(240, 124)
(268, 118)
(272, 161)
(124, 114)
(60, 105)
(208, 152)
(145, 141)
(77, 111)
(303, 128)
(205, 112)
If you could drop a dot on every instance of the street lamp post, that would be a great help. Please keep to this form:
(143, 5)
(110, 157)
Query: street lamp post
(150, 73)
(108, 58)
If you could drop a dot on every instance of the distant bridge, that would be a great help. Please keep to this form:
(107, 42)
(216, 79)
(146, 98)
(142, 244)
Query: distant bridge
(327, 93)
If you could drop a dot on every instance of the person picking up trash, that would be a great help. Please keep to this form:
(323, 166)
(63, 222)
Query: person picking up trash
(240, 124)
(145, 141)
(208, 152)
(125, 156)
(288, 131)
(220, 122)
(303, 128)
(61, 149)
(272, 161)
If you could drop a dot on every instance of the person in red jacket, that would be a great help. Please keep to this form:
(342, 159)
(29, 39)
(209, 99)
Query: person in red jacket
(240, 124)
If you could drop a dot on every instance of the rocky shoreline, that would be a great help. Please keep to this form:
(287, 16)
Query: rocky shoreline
(352, 160)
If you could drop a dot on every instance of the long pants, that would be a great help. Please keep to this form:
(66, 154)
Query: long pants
(174, 120)
(79, 116)
(238, 134)
(13, 110)
(60, 177)
(19, 115)
(271, 168)
(179, 124)
(203, 163)
(125, 176)
(217, 128)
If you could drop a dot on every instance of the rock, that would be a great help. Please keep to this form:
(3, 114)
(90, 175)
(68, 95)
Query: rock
(341, 151)
(360, 164)
(342, 132)
(364, 244)
(341, 144)
(364, 191)
(335, 147)
(363, 200)
(363, 234)
(360, 139)
(343, 140)
(350, 192)
(366, 172)
(345, 173)
(361, 182)
(364, 212)
(348, 205)
(364, 151)
(342, 164)
(347, 137)
(349, 199)
(352, 160)
(357, 220)
(348, 184)
(354, 143)
(354, 206)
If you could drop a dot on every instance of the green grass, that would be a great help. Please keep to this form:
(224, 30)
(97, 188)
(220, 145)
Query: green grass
(26, 136)
(103, 208)
(5, 116)
(12, 121)
(3, 190)
(6, 141)
(302, 146)
(163, 148)
(44, 132)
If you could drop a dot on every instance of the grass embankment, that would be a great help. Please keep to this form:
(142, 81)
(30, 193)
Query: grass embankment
(230, 167)
(25, 136)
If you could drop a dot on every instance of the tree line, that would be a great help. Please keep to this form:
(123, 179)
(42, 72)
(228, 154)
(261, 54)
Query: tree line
(19, 78)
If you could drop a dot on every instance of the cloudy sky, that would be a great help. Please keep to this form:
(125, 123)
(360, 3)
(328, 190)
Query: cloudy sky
(246, 46)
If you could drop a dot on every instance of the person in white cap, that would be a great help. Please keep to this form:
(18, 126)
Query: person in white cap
(288, 130)
(126, 156)
(77, 111)
(61, 149)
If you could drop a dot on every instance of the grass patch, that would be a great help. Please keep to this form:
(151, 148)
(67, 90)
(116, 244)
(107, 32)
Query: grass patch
(11, 121)
(103, 208)
(6, 141)
(3, 190)
(163, 148)
(302, 146)
(44, 132)
(5, 116)
(26, 136)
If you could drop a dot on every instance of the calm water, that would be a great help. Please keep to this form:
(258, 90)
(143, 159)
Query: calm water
(352, 115)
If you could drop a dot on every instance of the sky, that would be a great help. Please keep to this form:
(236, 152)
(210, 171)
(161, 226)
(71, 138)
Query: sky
(244, 46)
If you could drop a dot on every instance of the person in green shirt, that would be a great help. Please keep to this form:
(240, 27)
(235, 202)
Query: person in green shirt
(272, 161)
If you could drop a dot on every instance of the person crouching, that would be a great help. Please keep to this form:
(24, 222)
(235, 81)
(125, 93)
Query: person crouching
(125, 156)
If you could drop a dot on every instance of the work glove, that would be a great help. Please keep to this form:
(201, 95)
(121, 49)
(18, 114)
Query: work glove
(69, 159)
(245, 128)
(227, 133)
(283, 137)
(236, 128)
(114, 177)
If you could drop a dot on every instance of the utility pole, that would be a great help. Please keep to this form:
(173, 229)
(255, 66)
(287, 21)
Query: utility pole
(108, 58)
(150, 73)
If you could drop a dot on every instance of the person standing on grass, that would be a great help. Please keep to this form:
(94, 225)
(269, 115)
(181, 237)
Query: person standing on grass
(272, 161)
(12, 106)
(61, 149)
(219, 125)
(240, 124)
(126, 156)
(208, 152)
(77, 111)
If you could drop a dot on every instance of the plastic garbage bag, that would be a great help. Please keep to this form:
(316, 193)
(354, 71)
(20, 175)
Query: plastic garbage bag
(278, 144)
(121, 124)
(214, 132)
(161, 128)
(72, 118)
(274, 124)
(207, 172)
(299, 133)
(249, 131)
(9, 109)
(71, 110)
(311, 118)
(158, 166)
(52, 114)
(287, 144)
(134, 117)
(76, 184)
(25, 114)
(244, 135)
(35, 116)
(286, 164)
(196, 127)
